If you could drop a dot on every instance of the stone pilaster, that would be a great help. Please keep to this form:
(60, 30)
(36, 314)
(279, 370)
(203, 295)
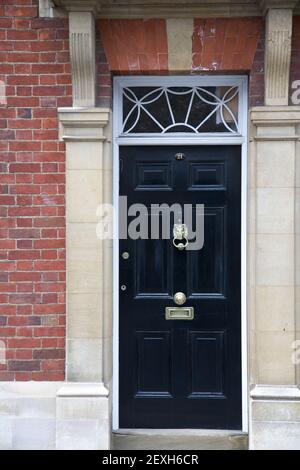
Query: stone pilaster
(88, 184)
(274, 422)
(82, 405)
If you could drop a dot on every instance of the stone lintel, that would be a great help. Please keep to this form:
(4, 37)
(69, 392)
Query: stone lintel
(163, 8)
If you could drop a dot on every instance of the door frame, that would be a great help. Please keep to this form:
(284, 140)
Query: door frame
(240, 139)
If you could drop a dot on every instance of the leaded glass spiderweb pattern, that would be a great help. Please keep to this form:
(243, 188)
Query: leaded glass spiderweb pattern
(165, 110)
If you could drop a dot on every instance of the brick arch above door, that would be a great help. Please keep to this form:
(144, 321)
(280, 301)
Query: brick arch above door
(181, 45)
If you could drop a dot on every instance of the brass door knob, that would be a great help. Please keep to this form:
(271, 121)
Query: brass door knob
(179, 298)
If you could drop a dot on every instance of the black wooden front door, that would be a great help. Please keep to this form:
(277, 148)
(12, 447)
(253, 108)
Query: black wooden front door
(182, 373)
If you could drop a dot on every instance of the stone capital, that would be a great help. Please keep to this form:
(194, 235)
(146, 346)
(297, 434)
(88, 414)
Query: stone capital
(83, 124)
(275, 123)
(275, 116)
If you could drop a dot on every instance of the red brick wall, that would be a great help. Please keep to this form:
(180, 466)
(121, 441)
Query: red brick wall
(34, 64)
(256, 76)
(104, 77)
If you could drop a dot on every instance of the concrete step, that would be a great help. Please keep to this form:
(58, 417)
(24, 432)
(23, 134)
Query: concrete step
(186, 439)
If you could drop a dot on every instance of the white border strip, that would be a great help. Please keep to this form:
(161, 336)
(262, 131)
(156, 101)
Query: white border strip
(183, 139)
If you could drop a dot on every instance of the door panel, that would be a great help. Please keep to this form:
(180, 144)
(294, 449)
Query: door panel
(154, 365)
(182, 373)
(153, 273)
(207, 175)
(207, 348)
(153, 175)
(205, 267)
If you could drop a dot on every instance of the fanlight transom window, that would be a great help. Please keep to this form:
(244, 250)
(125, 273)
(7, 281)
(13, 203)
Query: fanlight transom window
(180, 109)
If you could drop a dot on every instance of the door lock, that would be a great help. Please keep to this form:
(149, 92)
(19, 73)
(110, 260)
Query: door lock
(179, 156)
